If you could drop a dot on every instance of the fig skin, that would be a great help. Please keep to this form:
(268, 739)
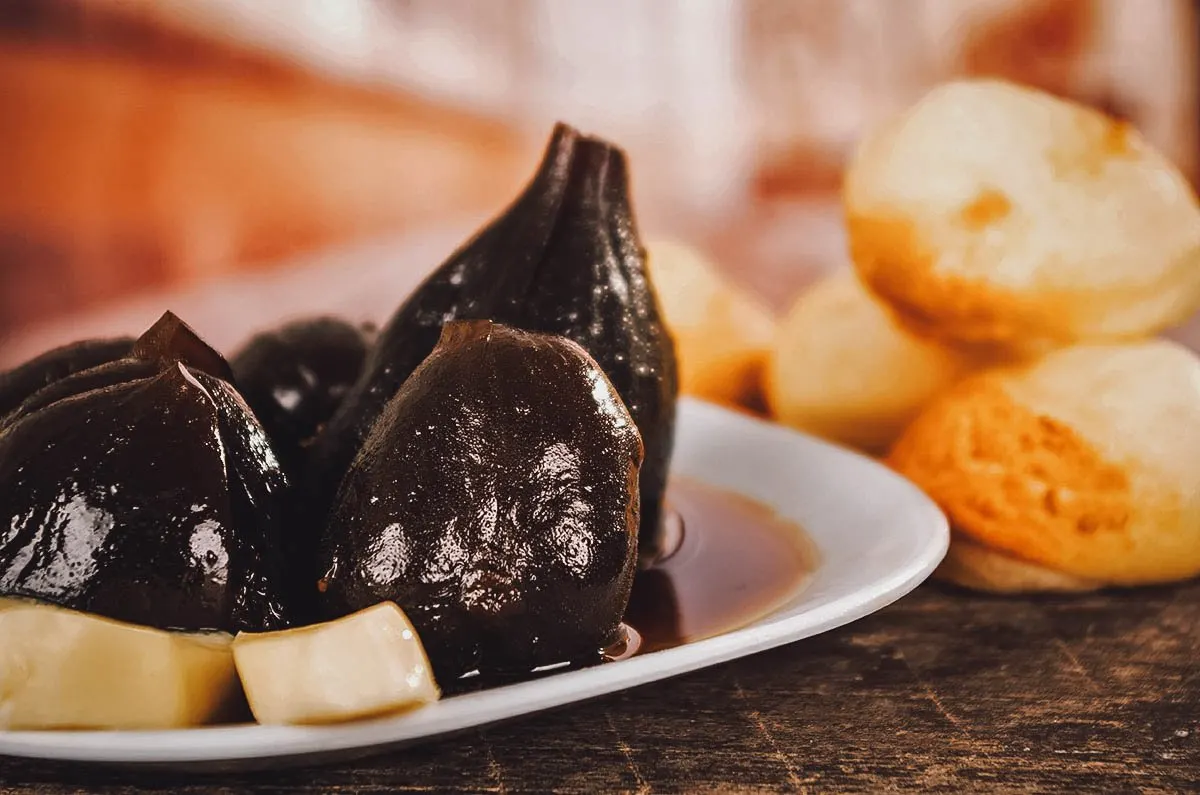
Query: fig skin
(56, 364)
(496, 502)
(565, 258)
(145, 491)
(294, 377)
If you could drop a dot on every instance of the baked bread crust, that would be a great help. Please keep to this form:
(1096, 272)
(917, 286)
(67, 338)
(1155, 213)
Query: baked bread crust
(722, 333)
(981, 568)
(1084, 463)
(844, 369)
(999, 215)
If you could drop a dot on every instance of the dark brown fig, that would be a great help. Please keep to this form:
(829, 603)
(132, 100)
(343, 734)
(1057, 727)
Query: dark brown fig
(294, 377)
(565, 258)
(496, 502)
(58, 363)
(144, 490)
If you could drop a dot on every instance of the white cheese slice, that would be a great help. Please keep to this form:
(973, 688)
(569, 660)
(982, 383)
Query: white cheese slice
(367, 663)
(64, 669)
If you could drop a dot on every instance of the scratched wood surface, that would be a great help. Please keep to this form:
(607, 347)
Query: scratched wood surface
(941, 692)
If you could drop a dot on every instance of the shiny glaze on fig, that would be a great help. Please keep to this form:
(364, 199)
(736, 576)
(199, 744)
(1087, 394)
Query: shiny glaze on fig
(56, 364)
(294, 377)
(564, 259)
(145, 491)
(496, 502)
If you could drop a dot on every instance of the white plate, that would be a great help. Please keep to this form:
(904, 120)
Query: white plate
(876, 534)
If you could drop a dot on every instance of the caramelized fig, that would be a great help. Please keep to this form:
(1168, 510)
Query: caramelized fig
(294, 377)
(145, 491)
(496, 502)
(565, 258)
(56, 364)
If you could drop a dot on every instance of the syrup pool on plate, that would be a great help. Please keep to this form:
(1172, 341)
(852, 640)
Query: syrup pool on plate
(736, 561)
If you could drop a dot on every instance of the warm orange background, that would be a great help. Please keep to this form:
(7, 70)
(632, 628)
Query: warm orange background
(134, 154)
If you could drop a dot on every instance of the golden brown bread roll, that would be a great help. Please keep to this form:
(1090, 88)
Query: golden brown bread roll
(1085, 464)
(990, 213)
(981, 568)
(842, 367)
(722, 334)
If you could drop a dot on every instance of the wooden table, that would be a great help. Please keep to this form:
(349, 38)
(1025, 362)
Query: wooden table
(941, 692)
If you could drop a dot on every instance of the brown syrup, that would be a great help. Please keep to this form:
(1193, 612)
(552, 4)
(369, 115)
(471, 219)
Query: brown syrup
(736, 561)
(731, 561)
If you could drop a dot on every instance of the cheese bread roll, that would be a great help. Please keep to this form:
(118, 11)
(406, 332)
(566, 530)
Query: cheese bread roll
(1000, 215)
(844, 369)
(722, 333)
(1086, 463)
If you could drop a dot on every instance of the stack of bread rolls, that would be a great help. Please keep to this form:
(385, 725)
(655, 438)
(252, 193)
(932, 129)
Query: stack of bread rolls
(1015, 256)
(1053, 243)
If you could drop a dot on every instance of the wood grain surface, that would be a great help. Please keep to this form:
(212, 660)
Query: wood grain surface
(942, 692)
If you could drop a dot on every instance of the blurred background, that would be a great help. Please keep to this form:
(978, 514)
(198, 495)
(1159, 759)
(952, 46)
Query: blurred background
(317, 151)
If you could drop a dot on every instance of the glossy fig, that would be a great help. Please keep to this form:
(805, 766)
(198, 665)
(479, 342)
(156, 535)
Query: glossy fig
(144, 490)
(56, 364)
(565, 258)
(294, 377)
(496, 502)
